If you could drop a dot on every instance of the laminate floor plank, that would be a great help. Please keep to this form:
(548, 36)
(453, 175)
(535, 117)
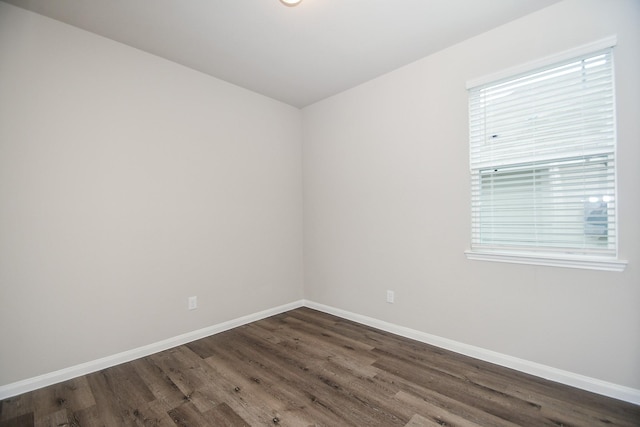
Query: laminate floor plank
(490, 401)
(24, 420)
(308, 368)
(56, 419)
(246, 397)
(74, 393)
(18, 406)
(420, 421)
(187, 415)
(442, 416)
(257, 380)
(430, 403)
(551, 407)
(158, 382)
(224, 416)
(246, 391)
(110, 409)
(191, 380)
(312, 350)
(309, 329)
(322, 378)
(133, 396)
(293, 387)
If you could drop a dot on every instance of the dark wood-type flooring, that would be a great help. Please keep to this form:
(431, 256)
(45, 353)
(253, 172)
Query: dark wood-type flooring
(304, 368)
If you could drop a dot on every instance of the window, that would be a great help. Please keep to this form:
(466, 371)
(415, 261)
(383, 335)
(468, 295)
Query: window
(542, 157)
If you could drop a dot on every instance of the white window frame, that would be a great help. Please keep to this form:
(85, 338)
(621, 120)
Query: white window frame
(542, 258)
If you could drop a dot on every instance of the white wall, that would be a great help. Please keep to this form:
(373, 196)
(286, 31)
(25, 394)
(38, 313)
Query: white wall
(386, 206)
(127, 184)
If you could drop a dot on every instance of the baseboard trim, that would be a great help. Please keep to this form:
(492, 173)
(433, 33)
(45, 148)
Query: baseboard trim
(594, 385)
(583, 382)
(30, 384)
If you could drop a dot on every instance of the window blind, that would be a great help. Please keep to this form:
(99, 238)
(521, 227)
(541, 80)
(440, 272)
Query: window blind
(542, 157)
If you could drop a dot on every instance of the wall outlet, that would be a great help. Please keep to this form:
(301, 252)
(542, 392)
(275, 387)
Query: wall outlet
(193, 303)
(391, 296)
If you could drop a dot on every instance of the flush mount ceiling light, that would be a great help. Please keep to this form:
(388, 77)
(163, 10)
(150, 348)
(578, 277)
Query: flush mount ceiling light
(290, 3)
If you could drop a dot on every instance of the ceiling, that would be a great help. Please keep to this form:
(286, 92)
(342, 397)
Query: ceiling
(298, 55)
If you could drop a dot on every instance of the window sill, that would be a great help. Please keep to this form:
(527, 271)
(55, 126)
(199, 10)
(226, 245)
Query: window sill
(604, 264)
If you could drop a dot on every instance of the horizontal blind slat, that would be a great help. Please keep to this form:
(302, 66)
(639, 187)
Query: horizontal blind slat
(542, 157)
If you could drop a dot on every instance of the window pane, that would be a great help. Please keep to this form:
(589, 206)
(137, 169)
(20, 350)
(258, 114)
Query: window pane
(542, 155)
(566, 204)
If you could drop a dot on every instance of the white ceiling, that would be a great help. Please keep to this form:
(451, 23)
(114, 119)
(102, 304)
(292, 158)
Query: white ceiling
(298, 55)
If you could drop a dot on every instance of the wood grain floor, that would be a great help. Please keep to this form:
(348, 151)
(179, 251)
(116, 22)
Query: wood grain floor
(304, 368)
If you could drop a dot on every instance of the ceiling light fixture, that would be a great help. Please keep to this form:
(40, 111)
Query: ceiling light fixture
(290, 3)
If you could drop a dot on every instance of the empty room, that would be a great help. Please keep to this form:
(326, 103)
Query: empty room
(322, 212)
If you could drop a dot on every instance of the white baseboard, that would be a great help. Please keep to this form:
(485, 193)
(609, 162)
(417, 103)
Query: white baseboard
(65, 374)
(594, 385)
(564, 377)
